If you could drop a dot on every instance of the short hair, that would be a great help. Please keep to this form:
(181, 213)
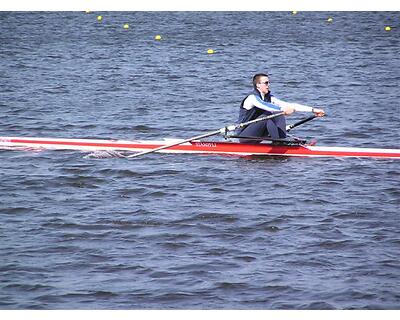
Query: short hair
(257, 77)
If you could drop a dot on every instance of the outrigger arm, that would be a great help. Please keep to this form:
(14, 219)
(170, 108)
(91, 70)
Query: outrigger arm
(223, 130)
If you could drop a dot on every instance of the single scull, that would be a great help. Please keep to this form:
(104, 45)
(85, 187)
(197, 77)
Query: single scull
(196, 147)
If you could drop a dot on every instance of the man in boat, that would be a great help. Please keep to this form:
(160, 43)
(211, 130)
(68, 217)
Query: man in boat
(262, 103)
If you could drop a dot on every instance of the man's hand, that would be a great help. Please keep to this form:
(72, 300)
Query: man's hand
(318, 112)
(288, 110)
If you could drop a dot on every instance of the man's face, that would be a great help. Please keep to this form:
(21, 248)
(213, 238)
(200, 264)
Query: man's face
(263, 85)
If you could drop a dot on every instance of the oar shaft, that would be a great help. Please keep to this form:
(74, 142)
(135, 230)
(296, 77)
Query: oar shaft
(243, 124)
(174, 144)
(294, 125)
(209, 134)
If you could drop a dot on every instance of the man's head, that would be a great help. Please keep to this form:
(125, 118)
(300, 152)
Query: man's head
(261, 82)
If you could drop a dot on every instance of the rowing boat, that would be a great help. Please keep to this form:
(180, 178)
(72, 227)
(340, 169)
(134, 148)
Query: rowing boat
(196, 147)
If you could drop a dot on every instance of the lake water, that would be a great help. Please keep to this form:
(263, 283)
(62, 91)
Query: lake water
(197, 232)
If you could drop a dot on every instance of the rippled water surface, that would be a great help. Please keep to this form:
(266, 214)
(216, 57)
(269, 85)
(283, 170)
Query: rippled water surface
(186, 231)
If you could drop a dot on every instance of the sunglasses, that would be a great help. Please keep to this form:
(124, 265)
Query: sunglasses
(266, 82)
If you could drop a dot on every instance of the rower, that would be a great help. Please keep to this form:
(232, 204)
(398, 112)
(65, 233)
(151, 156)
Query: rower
(260, 103)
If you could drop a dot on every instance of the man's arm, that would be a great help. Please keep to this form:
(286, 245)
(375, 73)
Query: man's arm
(297, 107)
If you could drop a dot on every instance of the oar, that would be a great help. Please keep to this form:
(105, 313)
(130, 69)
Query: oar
(294, 125)
(223, 130)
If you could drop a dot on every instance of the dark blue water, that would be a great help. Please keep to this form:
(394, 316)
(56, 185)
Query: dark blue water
(197, 232)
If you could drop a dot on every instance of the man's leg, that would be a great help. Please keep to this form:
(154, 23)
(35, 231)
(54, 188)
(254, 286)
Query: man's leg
(258, 129)
(274, 128)
(277, 127)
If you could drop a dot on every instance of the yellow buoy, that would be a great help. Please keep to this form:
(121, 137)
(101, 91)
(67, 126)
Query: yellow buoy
(294, 12)
(330, 19)
(387, 28)
(126, 26)
(99, 18)
(210, 51)
(158, 37)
